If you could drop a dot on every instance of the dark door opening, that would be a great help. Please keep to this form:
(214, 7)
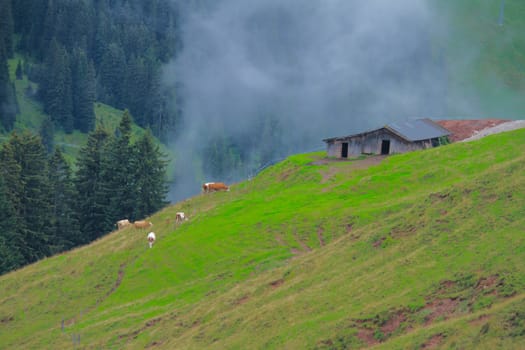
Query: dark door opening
(344, 150)
(385, 147)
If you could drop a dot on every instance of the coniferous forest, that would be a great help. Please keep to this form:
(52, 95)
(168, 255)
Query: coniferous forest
(77, 53)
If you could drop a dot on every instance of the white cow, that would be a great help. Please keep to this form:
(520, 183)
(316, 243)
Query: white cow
(151, 239)
(123, 223)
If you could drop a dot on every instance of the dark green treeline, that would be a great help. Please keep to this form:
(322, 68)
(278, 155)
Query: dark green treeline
(45, 208)
(82, 51)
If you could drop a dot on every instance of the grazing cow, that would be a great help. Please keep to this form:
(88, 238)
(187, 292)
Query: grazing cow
(142, 224)
(180, 217)
(123, 223)
(215, 186)
(151, 239)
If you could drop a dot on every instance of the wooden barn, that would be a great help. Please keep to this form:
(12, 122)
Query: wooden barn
(399, 137)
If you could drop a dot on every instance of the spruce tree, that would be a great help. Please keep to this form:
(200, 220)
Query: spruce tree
(10, 240)
(8, 102)
(121, 171)
(92, 187)
(83, 92)
(6, 27)
(65, 225)
(151, 185)
(25, 172)
(56, 87)
(19, 72)
(46, 132)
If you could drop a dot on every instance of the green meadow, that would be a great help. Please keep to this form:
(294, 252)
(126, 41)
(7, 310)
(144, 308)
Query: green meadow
(421, 250)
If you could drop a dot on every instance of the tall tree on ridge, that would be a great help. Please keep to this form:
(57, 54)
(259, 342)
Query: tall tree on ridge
(56, 87)
(121, 167)
(151, 185)
(65, 225)
(92, 187)
(83, 91)
(25, 172)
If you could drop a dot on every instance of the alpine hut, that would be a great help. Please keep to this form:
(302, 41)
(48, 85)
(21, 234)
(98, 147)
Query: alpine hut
(399, 137)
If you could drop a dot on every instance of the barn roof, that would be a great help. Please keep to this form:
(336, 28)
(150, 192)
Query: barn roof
(417, 130)
(411, 130)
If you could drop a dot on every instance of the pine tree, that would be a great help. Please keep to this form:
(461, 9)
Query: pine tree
(121, 171)
(19, 73)
(92, 187)
(8, 102)
(46, 132)
(6, 27)
(66, 230)
(151, 185)
(56, 87)
(83, 92)
(111, 75)
(10, 256)
(25, 172)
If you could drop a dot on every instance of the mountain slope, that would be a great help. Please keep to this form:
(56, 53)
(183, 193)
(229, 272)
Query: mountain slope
(422, 249)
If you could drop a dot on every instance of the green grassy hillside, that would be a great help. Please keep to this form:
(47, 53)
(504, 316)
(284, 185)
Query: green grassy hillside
(424, 249)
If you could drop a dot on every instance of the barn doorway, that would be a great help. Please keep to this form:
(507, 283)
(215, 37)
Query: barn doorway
(385, 147)
(344, 150)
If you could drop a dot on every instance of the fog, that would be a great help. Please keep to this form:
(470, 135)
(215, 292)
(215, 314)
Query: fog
(321, 68)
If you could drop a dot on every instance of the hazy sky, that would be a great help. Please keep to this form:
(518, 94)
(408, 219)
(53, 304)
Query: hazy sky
(324, 68)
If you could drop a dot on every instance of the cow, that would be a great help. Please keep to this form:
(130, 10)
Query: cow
(215, 186)
(180, 217)
(142, 224)
(123, 223)
(151, 239)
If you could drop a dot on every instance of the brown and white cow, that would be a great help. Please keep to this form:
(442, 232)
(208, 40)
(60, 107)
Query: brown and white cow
(151, 238)
(180, 217)
(215, 186)
(123, 223)
(142, 224)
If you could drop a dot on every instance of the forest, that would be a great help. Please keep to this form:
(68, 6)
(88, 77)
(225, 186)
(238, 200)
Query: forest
(78, 53)
(47, 208)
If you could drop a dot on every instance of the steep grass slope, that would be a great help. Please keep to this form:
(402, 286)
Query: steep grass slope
(425, 249)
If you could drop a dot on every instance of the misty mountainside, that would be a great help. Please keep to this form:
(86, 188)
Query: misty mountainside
(224, 83)
(420, 250)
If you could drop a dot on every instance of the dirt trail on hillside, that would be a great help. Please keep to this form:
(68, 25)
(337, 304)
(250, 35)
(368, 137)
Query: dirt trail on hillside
(507, 126)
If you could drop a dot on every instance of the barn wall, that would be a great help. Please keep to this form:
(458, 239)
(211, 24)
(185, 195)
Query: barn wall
(333, 149)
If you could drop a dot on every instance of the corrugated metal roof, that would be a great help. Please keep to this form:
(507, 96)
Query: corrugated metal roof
(417, 130)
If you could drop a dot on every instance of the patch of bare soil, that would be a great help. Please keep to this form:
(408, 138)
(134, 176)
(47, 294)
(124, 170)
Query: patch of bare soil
(433, 342)
(241, 300)
(378, 243)
(488, 284)
(463, 129)
(370, 332)
(277, 283)
(440, 308)
(366, 335)
(154, 343)
(6, 319)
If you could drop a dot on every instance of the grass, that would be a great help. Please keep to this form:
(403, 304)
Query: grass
(303, 256)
